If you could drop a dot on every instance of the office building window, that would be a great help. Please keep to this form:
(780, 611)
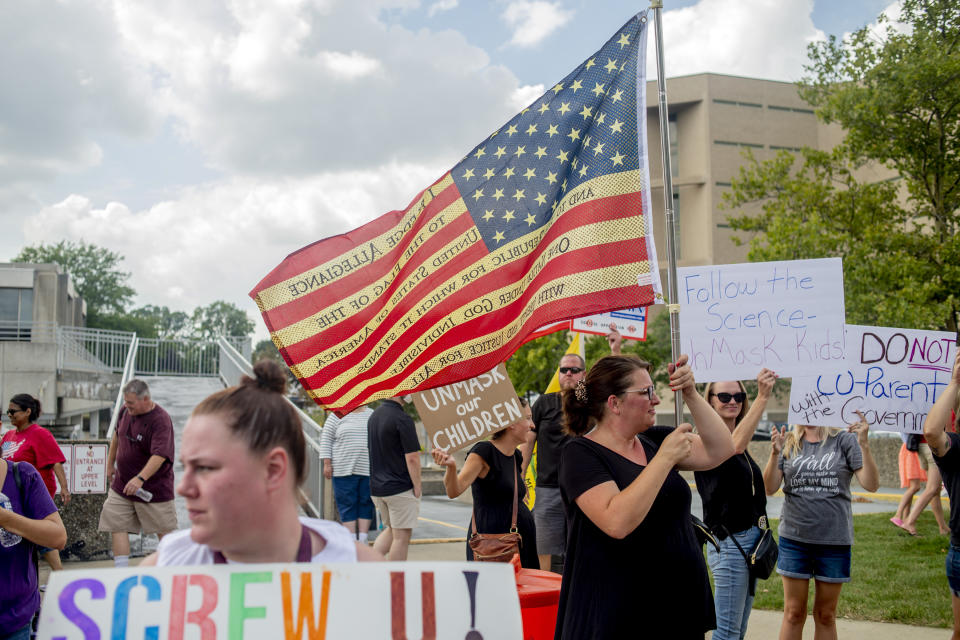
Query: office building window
(16, 313)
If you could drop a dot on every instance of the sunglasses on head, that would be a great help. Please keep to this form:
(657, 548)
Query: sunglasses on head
(573, 370)
(725, 397)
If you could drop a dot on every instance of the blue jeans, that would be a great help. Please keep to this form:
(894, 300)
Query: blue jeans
(731, 581)
(19, 634)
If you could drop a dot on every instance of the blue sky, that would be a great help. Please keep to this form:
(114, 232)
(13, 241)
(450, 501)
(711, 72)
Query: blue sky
(206, 141)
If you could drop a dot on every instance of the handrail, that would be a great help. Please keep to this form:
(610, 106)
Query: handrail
(124, 379)
(315, 466)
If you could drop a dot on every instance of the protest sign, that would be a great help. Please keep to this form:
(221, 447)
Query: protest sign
(67, 451)
(631, 323)
(329, 601)
(787, 316)
(457, 415)
(892, 375)
(90, 468)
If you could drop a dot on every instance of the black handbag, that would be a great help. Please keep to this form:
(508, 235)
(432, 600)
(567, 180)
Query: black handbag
(704, 533)
(763, 556)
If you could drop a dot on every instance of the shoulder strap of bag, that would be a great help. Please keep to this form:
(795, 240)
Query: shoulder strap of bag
(513, 518)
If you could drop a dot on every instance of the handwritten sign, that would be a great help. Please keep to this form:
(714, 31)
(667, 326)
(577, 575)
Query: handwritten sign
(67, 450)
(460, 414)
(631, 323)
(89, 468)
(736, 319)
(362, 600)
(892, 375)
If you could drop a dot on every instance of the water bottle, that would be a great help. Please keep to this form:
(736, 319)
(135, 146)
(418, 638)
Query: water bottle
(7, 539)
(143, 494)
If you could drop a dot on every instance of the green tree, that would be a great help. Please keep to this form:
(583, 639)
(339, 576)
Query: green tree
(532, 366)
(898, 100)
(220, 318)
(161, 322)
(95, 272)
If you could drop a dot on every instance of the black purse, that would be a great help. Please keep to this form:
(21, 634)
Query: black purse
(763, 556)
(913, 442)
(704, 533)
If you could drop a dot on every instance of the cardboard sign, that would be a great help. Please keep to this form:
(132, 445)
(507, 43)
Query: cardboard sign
(631, 323)
(736, 319)
(892, 375)
(328, 601)
(89, 468)
(67, 450)
(457, 415)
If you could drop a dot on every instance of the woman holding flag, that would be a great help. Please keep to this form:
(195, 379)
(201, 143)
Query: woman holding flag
(634, 567)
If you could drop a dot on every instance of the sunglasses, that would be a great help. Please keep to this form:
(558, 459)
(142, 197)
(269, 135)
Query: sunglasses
(651, 393)
(11, 412)
(573, 370)
(725, 397)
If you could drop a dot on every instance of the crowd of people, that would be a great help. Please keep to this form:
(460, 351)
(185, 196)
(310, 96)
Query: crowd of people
(612, 512)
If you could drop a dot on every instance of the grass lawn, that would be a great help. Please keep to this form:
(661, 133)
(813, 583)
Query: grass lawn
(896, 578)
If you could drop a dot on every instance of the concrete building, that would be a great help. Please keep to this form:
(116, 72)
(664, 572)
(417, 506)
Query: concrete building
(713, 119)
(45, 348)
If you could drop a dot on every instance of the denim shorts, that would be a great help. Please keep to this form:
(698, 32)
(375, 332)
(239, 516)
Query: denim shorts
(352, 495)
(823, 562)
(953, 570)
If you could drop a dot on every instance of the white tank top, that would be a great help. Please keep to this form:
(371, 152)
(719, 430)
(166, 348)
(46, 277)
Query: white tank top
(178, 549)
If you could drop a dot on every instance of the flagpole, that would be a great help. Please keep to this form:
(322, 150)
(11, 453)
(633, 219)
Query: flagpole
(672, 295)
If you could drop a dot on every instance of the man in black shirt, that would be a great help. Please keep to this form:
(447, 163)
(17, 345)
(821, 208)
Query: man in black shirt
(394, 476)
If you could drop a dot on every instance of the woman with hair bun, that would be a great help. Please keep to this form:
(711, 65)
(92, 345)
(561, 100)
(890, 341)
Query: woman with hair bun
(244, 457)
(633, 566)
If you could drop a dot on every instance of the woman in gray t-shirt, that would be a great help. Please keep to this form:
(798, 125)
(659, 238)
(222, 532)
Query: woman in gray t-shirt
(815, 466)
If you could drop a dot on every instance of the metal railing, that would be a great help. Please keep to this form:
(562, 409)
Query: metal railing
(17, 331)
(233, 365)
(92, 349)
(124, 379)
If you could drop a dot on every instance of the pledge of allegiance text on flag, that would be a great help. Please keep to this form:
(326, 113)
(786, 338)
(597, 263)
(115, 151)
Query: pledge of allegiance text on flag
(545, 220)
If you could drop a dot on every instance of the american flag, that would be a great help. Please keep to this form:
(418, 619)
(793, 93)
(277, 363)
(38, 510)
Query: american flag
(545, 220)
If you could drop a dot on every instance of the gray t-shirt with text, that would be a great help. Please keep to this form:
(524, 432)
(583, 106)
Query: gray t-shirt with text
(816, 486)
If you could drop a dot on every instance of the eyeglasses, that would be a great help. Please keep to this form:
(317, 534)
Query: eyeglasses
(11, 412)
(725, 397)
(573, 370)
(650, 391)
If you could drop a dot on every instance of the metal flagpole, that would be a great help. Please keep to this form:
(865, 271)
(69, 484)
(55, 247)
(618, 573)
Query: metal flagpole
(672, 296)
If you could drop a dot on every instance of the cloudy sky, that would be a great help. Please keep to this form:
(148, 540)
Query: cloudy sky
(205, 141)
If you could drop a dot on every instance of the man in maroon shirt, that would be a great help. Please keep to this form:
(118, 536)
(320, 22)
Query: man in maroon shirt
(140, 470)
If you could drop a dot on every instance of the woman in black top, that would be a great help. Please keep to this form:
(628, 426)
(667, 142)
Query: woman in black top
(733, 503)
(492, 470)
(633, 567)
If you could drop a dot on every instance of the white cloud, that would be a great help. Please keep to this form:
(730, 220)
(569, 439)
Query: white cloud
(307, 87)
(442, 5)
(217, 241)
(533, 20)
(754, 38)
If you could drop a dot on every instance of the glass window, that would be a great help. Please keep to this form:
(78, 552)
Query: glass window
(10, 304)
(26, 305)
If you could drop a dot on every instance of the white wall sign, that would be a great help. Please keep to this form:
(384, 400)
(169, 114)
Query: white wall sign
(631, 323)
(363, 600)
(892, 375)
(787, 316)
(89, 468)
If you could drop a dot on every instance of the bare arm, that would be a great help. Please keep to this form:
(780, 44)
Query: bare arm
(615, 340)
(938, 420)
(48, 532)
(62, 479)
(112, 458)
(868, 475)
(152, 466)
(772, 475)
(616, 512)
(149, 561)
(456, 483)
(366, 553)
(713, 444)
(743, 434)
(526, 452)
(413, 466)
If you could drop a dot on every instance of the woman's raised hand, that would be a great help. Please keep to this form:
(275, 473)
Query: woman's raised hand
(681, 377)
(776, 439)
(678, 445)
(765, 380)
(443, 458)
(861, 428)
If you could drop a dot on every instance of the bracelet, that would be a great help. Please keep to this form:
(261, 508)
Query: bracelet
(142, 479)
